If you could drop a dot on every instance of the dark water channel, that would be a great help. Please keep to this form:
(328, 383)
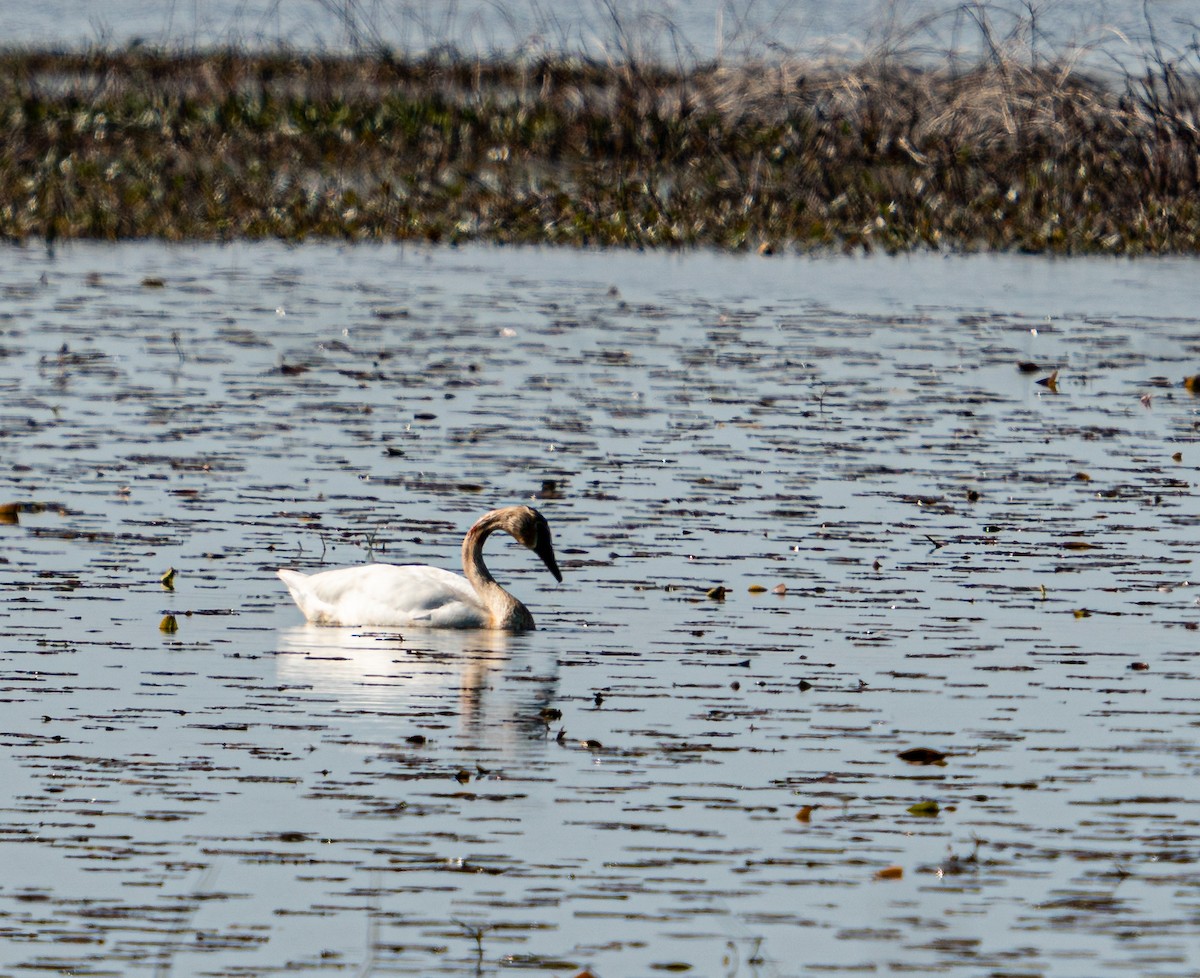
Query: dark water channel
(656, 781)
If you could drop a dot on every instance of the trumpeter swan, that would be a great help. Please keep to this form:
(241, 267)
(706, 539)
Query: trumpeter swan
(390, 596)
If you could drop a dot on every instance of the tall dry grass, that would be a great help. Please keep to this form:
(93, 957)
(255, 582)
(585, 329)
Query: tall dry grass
(1013, 149)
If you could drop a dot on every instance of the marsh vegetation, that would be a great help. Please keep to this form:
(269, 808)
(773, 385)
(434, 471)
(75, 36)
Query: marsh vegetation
(1028, 153)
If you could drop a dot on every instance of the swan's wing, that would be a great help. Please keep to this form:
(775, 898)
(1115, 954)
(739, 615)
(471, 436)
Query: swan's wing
(386, 595)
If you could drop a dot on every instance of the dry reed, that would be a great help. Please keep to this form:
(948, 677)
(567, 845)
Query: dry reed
(1000, 155)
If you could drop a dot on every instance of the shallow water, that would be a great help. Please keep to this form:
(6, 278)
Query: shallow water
(1102, 33)
(973, 563)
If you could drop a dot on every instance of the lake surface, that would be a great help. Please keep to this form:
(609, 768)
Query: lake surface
(1102, 32)
(968, 562)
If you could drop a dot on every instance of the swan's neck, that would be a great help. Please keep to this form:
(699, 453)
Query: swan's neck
(503, 610)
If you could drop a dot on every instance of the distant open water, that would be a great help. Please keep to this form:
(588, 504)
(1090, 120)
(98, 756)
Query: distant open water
(1111, 31)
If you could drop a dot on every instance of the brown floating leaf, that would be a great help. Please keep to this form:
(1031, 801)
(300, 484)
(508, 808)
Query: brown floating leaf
(1139, 666)
(922, 755)
(1082, 613)
(757, 589)
(805, 813)
(1177, 457)
(168, 625)
(717, 593)
(924, 809)
(8, 513)
(463, 776)
(1077, 545)
(779, 589)
(1192, 384)
(168, 579)
(890, 873)
(1081, 477)
(292, 369)
(1028, 367)
(1051, 382)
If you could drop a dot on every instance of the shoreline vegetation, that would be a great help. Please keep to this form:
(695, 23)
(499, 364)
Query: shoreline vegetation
(880, 155)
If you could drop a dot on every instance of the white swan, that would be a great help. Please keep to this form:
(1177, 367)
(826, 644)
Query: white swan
(391, 596)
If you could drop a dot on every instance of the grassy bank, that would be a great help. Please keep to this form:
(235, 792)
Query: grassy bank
(879, 156)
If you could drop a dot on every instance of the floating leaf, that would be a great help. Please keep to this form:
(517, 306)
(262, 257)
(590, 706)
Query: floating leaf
(805, 813)
(8, 513)
(1077, 545)
(168, 625)
(925, 809)
(1028, 367)
(1139, 666)
(717, 593)
(1051, 382)
(168, 579)
(1177, 457)
(757, 589)
(463, 776)
(1192, 384)
(890, 873)
(779, 589)
(1082, 613)
(922, 755)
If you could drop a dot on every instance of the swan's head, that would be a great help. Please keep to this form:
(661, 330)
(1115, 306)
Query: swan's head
(531, 530)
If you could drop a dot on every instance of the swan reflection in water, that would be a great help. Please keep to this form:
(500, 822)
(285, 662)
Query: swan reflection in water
(488, 679)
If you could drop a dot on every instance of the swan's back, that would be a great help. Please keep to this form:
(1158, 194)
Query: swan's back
(388, 596)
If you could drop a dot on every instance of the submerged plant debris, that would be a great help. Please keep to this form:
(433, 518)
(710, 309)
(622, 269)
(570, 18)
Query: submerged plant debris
(888, 756)
(1001, 153)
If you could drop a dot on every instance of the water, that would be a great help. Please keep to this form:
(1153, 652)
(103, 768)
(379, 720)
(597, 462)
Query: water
(654, 780)
(1102, 33)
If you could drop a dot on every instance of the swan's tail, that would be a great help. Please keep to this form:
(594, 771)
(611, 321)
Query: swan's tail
(297, 584)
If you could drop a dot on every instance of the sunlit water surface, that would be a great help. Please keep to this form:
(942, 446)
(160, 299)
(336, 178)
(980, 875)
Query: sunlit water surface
(656, 780)
(1100, 33)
